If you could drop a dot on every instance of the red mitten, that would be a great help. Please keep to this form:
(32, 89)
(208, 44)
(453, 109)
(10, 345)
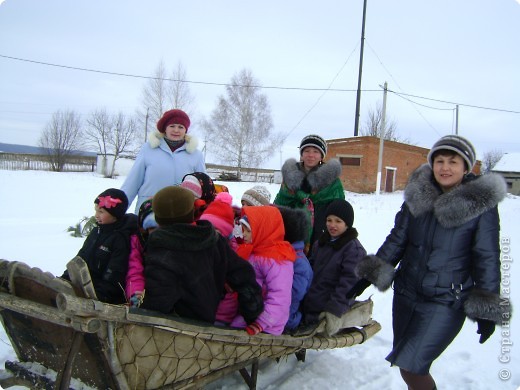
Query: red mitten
(253, 328)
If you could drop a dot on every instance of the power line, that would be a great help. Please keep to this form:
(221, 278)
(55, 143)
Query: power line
(455, 103)
(321, 96)
(177, 80)
(253, 86)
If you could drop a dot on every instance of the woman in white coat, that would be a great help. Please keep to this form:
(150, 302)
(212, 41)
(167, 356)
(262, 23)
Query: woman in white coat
(169, 154)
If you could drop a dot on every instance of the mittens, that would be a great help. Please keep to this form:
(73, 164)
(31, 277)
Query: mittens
(485, 330)
(136, 300)
(358, 288)
(253, 328)
(333, 324)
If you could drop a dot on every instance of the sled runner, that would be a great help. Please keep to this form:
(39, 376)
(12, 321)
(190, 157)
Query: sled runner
(63, 338)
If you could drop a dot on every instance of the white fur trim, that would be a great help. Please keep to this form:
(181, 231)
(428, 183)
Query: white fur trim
(191, 143)
(154, 139)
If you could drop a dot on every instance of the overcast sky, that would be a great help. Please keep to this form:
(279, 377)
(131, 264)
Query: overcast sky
(433, 54)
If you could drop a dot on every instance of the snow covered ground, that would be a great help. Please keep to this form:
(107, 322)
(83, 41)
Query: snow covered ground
(36, 208)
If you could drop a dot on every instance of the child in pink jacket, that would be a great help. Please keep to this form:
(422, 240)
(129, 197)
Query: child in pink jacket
(272, 258)
(135, 276)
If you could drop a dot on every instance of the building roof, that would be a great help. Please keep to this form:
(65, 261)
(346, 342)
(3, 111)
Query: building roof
(510, 162)
(26, 149)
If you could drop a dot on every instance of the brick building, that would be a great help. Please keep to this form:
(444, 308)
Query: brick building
(359, 159)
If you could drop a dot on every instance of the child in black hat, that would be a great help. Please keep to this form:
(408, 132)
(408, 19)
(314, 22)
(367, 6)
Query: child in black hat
(334, 257)
(107, 247)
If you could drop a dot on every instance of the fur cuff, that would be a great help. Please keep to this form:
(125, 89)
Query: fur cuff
(376, 271)
(486, 305)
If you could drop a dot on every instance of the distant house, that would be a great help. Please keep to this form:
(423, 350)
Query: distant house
(359, 158)
(509, 168)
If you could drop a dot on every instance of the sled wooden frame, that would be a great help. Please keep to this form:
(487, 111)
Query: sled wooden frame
(77, 338)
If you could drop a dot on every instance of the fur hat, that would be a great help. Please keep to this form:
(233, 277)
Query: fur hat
(316, 141)
(205, 183)
(171, 117)
(257, 196)
(296, 222)
(341, 209)
(114, 201)
(173, 204)
(221, 214)
(457, 144)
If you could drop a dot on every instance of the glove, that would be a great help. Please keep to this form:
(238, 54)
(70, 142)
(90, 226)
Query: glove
(253, 329)
(333, 324)
(136, 300)
(485, 330)
(358, 288)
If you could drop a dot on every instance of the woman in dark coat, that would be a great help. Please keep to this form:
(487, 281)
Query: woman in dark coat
(446, 242)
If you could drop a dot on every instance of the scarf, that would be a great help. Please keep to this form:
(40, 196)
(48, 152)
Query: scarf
(267, 230)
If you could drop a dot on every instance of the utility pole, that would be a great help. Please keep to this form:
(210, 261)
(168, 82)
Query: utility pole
(381, 142)
(146, 125)
(358, 97)
(457, 119)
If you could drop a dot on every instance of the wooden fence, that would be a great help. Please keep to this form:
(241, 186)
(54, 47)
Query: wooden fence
(18, 162)
(246, 174)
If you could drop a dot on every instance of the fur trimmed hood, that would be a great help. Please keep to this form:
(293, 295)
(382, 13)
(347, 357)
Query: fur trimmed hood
(319, 178)
(470, 199)
(155, 138)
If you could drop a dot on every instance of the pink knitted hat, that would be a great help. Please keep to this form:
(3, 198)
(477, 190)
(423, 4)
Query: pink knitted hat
(220, 214)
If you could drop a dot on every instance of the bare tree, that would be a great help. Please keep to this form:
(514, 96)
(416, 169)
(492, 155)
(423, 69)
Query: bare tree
(122, 138)
(99, 126)
(490, 159)
(60, 138)
(161, 94)
(373, 125)
(113, 135)
(240, 129)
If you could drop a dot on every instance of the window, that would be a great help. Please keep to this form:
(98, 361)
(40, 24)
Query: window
(350, 161)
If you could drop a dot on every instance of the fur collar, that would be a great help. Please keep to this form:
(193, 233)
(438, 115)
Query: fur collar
(318, 178)
(470, 199)
(155, 138)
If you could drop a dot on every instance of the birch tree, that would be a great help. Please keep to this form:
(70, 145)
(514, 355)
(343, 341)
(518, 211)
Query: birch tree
(240, 129)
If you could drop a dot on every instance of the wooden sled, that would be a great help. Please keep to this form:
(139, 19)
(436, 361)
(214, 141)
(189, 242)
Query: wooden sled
(65, 339)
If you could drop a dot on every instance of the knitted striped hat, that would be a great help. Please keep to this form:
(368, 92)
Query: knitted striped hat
(457, 144)
(257, 196)
(315, 141)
